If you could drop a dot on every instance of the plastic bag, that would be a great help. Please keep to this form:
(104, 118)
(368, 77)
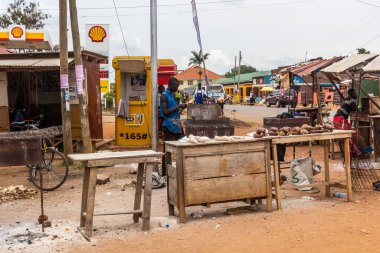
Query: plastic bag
(303, 170)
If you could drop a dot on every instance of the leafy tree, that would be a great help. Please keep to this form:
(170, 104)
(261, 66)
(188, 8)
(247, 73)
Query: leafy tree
(21, 12)
(196, 61)
(108, 99)
(243, 69)
(363, 51)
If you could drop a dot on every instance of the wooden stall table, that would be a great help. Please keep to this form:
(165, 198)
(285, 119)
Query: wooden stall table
(146, 160)
(327, 137)
(216, 172)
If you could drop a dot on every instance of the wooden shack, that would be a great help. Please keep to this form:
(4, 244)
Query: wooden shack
(31, 82)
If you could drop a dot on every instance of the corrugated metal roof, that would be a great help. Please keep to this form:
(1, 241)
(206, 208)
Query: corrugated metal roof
(373, 66)
(32, 62)
(223, 81)
(307, 69)
(348, 63)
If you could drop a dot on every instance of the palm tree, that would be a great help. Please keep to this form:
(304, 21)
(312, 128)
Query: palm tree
(196, 61)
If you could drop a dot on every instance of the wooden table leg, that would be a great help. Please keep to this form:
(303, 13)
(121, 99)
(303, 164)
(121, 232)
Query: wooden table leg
(180, 186)
(83, 208)
(347, 158)
(139, 183)
(90, 201)
(327, 168)
(168, 160)
(269, 178)
(277, 177)
(147, 196)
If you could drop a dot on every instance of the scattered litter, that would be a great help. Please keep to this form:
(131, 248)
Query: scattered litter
(217, 226)
(16, 192)
(197, 214)
(340, 195)
(102, 179)
(365, 231)
(303, 170)
(132, 168)
(132, 184)
(307, 198)
(157, 181)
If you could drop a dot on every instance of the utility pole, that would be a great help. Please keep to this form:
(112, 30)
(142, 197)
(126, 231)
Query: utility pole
(235, 86)
(79, 73)
(153, 66)
(64, 79)
(239, 77)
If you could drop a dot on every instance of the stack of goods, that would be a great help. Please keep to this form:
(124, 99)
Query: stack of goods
(286, 131)
(16, 192)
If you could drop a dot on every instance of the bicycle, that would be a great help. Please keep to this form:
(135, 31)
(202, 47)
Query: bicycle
(54, 166)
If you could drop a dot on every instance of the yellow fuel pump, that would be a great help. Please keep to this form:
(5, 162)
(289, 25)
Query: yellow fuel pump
(133, 85)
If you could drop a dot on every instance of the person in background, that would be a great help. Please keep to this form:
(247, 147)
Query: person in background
(199, 95)
(340, 121)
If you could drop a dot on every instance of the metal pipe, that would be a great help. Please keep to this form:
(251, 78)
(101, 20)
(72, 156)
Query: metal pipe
(154, 72)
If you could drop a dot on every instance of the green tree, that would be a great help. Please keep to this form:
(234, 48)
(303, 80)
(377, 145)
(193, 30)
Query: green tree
(363, 51)
(243, 69)
(196, 61)
(108, 99)
(21, 12)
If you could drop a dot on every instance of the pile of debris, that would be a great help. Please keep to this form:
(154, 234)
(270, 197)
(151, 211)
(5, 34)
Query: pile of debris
(16, 192)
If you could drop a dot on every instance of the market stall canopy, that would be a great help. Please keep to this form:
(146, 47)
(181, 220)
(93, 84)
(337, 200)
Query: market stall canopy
(31, 63)
(308, 68)
(267, 89)
(350, 62)
(373, 66)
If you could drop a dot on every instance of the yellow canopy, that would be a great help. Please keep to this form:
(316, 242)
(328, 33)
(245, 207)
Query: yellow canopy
(267, 89)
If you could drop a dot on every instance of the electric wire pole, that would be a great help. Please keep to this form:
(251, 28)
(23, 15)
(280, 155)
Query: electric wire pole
(79, 73)
(64, 79)
(154, 72)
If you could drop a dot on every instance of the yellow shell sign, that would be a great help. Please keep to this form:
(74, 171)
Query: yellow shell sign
(17, 32)
(97, 34)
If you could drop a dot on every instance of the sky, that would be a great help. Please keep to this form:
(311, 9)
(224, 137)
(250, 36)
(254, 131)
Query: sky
(269, 33)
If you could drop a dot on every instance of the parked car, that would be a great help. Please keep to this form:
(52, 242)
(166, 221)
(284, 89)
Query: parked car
(282, 97)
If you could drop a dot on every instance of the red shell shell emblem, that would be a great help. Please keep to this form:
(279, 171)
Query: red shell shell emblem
(17, 32)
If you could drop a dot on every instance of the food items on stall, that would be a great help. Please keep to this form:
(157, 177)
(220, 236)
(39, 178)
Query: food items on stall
(306, 127)
(296, 131)
(260, 133)
(286, 130)
(281, 133)
(192, 139)
(272, 133)
(328, 126)
(304, 131)
(273, 129)
(257, 136)
(318, 127)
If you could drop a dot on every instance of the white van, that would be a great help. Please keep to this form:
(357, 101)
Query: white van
(216, 91)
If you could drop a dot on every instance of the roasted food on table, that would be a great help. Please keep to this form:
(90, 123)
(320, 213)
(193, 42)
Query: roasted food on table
(304, 131)
(296, 131)
(286, 130)
(260, 133)
(306, 127)
(328, 127)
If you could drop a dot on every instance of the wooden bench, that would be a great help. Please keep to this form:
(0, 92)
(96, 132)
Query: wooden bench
(146, 160)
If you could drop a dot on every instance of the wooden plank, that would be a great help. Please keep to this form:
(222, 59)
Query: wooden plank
(337, 134)
(137, 204)
(213, 142)
(276, 177)
(112, 162)
(327, 168)
(134, 212)
(227, 147)
(147, 196)
(347, 161)
(172, 190)
(225, 189)
(90, 202)
(336, 185)
(86, 178)
(214, 165)
(268, 177)
(172, 170)
(181, 186)
(115, 155)
(169, 181)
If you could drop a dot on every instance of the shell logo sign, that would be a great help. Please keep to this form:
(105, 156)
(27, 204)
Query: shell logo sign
(97, 34)
(17, 32)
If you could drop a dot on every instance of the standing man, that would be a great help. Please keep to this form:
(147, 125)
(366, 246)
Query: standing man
(170, 111)
(199, 95)
(161, 90)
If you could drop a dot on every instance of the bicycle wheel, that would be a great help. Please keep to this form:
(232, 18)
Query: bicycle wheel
(54, 169)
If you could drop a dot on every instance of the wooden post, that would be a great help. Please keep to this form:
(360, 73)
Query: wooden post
(318, 93)
(79, 73)
(64, 79)
(326, 145)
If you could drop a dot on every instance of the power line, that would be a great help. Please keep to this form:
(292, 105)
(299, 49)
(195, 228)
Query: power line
(205, 10)
(121, 28)
(369, 41)
(374, 5)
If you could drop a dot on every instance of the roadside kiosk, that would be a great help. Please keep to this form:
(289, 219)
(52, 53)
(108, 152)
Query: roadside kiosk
(133, 85)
